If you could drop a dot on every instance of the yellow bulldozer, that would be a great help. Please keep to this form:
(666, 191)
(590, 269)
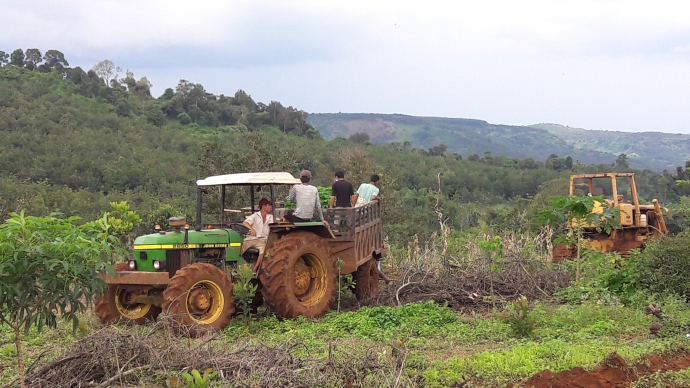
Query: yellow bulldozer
(638, 223)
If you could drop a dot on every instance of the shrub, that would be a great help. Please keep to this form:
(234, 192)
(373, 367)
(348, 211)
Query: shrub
(664, 266)
(517, 315)
(608, 279)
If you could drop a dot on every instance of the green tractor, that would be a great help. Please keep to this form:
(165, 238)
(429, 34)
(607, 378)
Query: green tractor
(188, 273)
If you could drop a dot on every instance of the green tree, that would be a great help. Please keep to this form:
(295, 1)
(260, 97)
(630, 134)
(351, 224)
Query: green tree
(359, 137)
(32, 58)
(55, 59)
(569, 162)
(438, 150)
(622, 163)
(168, 94)
(123, 108)
(123, 222)
(577, 212)
(4, 58)
(17, 58)
(184, 118)
(155, 116)
(49, 266)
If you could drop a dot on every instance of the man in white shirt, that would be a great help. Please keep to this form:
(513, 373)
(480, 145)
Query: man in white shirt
(257, 223)
(306, 199)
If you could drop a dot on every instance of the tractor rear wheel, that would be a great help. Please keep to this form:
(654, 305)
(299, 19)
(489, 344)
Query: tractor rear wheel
(115, 306)
(298, 276)
(366, 280)
(199, 299)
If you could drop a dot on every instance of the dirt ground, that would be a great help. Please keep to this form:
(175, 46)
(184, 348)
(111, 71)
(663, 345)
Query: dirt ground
(614, 372)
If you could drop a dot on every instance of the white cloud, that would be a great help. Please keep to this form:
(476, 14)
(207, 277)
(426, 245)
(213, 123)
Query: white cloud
(603, 65)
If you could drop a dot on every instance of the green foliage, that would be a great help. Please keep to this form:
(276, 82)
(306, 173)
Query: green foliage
(665, 265)
(47, 264)
(196, 380)
(160, 215)
(579, 210)
(608, 279)
(656, 272)
(123, 222)
(345, 283)
(184, 118)
(518, 316)
(244, 290)
(493, 251)
(149, 158)
(50, 266)
(386, 323)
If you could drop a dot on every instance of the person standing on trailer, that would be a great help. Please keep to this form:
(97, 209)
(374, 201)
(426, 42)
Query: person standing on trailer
(367, 192)
(306, 199)
(341, 191)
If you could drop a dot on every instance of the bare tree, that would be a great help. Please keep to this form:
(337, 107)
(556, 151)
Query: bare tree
(107, 70)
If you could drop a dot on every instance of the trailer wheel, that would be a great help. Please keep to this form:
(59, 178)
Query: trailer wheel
(366, 280)
(114, 306)
(199, 299)
(298, 276)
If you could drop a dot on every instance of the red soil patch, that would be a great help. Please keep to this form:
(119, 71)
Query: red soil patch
(614, 372)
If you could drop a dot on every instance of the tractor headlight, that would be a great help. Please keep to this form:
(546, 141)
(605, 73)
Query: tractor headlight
(158, 264)
(132, 265)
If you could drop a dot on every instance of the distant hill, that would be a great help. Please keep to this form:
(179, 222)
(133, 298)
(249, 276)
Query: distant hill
(656, 151)
(653, 150)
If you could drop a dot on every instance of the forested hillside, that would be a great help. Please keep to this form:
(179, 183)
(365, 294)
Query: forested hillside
(73, 141)
(655, 151)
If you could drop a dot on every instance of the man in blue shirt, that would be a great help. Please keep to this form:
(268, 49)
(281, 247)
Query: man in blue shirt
(367, 192)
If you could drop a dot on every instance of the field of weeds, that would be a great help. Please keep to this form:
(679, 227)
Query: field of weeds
(493, 320)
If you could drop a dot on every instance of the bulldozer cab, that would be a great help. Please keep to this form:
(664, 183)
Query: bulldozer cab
(611, 186)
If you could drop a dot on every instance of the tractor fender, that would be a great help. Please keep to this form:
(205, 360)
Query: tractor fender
(318, 228)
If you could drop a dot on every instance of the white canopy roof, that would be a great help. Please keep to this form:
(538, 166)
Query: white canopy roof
(250, 178)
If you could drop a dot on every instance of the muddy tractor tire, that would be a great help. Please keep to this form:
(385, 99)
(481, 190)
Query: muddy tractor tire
(199, 299)
(366, 280)
(298, 276)
(113, 306)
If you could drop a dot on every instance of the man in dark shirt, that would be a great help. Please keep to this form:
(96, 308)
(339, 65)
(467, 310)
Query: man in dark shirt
(341, 191)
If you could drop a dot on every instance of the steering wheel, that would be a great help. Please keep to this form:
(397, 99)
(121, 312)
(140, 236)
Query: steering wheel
(240, 228)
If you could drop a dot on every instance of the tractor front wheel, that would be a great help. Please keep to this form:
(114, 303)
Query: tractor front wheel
(366, 280)
(298, 276)
(115, 305)
(199, 299)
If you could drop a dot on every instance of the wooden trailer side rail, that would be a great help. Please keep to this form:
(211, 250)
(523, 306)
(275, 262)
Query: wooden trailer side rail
(358, 233)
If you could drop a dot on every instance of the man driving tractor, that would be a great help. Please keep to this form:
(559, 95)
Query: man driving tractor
(258, 225)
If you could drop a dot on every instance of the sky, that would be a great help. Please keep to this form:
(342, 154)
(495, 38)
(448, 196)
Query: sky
(606, 65)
